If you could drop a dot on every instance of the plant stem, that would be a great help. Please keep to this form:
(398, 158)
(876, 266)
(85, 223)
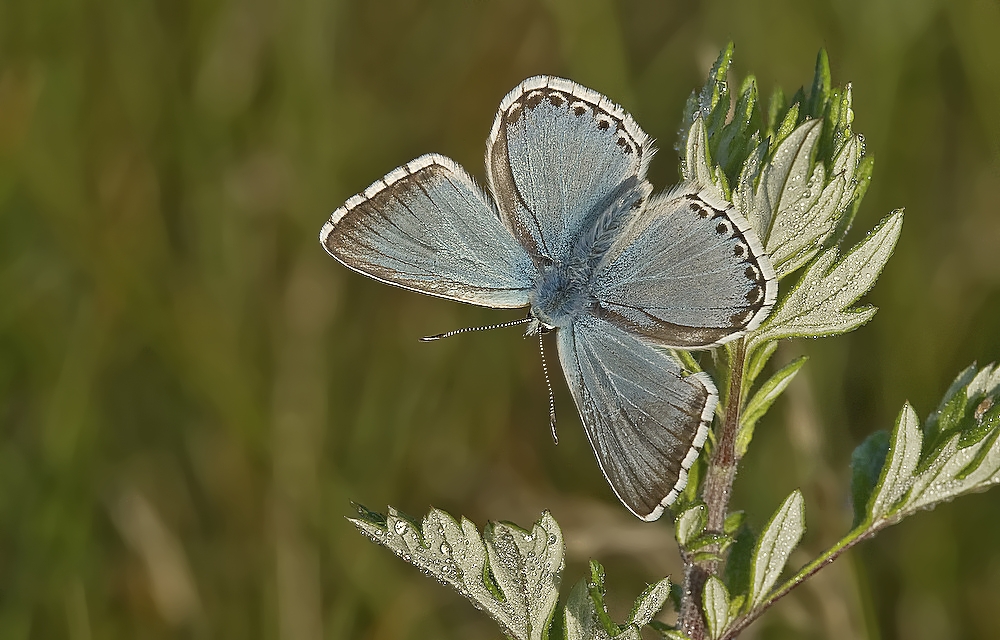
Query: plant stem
(716, 493)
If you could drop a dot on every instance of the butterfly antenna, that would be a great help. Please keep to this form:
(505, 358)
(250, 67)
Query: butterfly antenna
(548, 383)
(449, 334)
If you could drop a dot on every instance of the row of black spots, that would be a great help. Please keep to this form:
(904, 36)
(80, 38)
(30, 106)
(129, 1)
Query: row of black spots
(579, 108)
(755, 296)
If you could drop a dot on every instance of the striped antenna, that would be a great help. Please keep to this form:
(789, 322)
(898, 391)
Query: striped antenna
(449, 334)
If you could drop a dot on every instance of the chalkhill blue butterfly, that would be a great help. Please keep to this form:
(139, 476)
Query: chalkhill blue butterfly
(571, 230)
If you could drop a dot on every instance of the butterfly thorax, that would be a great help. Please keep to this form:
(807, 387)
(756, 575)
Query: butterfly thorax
(561, 294)
(562, 289)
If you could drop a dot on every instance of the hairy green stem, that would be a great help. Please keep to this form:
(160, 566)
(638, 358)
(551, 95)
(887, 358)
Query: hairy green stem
(716, 493)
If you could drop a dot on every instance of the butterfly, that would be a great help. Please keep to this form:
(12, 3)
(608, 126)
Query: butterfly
(570, 229)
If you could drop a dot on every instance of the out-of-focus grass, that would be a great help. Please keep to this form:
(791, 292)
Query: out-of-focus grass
(191, 391)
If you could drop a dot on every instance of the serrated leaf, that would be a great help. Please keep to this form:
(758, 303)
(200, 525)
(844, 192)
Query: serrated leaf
(774, 546)
(804, 229)
(820, 303)
(762, 401)
(783, 177)
(914, 478)
(716, 605)
(798, 207)
(690, 524)
(510, 573)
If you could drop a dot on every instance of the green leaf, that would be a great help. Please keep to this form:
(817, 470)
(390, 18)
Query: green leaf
(818, 95)
(690, 524)
(762, 401)
(716, 605)
(777, 107)
(698, 166)
(580, 618)
(586, 616)
(705, 556)
(733, 522)
(719, 540)
(757, 361)
(774, 546)
(649, 603)
(525, 566)
(711, 104)
(820, 303)
(801, 230)
(952, 407)
(740, 560)
(596, 589)
(862, 180)
(917, 477)
(866, 466)
(902, 460)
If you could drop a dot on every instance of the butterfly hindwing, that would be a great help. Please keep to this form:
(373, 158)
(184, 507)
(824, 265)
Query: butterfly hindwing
(687, 272)
(644, 417)
(427, 226)
(556, 152)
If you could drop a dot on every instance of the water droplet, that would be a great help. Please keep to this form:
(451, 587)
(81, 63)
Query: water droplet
(552, 538)
(446, 548)
(528, 537)
(400, 527)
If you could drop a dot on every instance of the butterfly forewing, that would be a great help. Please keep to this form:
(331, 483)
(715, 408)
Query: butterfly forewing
(687, 272)
(556, 152)
(645, 418)
(427, 226)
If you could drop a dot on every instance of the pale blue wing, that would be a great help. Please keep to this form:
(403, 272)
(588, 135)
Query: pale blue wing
(645, 419)
(556, 154)
(426, 226)
(687, 271)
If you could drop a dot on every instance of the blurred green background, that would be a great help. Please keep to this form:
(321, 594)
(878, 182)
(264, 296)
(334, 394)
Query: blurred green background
(191, 391)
